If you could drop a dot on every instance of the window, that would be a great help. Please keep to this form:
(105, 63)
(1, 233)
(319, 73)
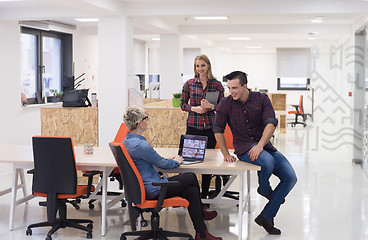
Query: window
(293, 69)
(293, 83)
(45, 57)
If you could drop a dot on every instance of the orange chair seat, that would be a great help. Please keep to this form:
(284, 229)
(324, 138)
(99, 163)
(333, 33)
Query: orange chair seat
(293, 112)
(168, 202)
(81, 189)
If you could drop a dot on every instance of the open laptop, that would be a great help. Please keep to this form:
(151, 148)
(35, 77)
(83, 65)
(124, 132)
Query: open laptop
(192, 148)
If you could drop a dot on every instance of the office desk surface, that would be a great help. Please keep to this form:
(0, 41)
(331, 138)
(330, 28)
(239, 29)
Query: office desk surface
(102, 156)
(213, 162)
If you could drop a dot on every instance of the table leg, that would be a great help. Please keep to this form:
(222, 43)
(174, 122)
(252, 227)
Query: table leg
(248, 191)
(241, 205)
(13, 197)
(104, 201)
(23, 183)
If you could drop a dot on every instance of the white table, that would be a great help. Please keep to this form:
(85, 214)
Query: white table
(21, 156)
(214, 164)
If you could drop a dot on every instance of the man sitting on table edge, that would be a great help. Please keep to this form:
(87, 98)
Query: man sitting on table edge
(252, 121)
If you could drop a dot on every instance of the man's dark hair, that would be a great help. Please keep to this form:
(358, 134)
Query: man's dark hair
(242, 76)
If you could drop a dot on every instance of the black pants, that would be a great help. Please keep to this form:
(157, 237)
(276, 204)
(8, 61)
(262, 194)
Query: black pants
(211, 144)
(189, 190)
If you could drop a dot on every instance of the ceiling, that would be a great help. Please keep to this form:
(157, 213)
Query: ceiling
(269, 23)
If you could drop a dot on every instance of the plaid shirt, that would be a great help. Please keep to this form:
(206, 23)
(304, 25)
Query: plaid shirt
(193, 91)
(246, 120)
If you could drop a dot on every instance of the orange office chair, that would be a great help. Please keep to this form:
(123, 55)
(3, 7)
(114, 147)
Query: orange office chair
(135, 194)
(299, 111)
(225, 178)
(55, 177)
(115, 174)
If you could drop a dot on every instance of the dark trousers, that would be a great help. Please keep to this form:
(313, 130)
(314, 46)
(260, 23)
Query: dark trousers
(189, 190)
(211, 144)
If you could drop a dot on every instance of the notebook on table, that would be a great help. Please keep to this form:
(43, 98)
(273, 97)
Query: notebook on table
(192, 148)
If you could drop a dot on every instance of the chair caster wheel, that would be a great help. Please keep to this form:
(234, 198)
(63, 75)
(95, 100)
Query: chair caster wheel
(77, 207)
(191, 238)
(123, 238)
(91, 206)
(48, 238)
(90, 225)
(144, 223)
(28, 232)
(89, 235)
(123, 204)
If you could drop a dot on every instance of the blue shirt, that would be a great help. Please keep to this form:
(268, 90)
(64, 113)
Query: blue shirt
(145, 158)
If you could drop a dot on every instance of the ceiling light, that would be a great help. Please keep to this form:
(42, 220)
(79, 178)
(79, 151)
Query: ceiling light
(87, 19)
(317, 19)
(212, 18)
(239, 38)
(254, 47)
(155, 39)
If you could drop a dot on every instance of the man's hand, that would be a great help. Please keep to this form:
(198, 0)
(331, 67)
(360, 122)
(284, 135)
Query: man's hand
(199, 109)
(229, 158)
(254, 152)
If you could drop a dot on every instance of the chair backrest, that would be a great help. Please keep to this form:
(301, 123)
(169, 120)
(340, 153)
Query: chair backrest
(132, 180)
(301, 110)
(228, 138)
(54, 165)
(121, 134)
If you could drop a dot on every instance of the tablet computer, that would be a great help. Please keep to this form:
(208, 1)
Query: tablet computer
(212, 97)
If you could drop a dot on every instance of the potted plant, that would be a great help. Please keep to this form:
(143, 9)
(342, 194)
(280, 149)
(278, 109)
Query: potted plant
(176, 99)
(56, 95)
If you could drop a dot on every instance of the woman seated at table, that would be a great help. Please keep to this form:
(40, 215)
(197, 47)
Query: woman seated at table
(145, 158)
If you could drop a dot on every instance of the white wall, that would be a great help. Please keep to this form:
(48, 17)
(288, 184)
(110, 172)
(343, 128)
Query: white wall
(139, 57)
(115, 46)
(188, 62)
(85, 56)
(17, 124)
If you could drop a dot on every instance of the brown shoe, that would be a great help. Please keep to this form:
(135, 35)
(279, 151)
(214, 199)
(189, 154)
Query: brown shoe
(208, 215)
(206, 236)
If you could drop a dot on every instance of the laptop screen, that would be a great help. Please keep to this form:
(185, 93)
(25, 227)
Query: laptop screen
(192, 148)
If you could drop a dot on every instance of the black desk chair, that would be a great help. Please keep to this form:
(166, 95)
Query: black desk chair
(299, 111)
(55, 177)
(135, 194)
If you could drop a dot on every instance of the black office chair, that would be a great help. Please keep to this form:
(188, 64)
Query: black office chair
(299, 111)
(135, 194)
(55, 177)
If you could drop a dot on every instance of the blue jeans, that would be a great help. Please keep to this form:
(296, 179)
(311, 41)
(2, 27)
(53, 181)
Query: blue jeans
(273, 163)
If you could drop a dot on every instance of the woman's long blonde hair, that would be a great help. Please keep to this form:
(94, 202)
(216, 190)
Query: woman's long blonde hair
(206, 60)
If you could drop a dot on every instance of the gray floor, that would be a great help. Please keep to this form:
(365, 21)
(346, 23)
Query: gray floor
(330, 201)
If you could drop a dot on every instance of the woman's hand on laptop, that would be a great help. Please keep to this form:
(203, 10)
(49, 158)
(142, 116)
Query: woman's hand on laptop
(178, 159)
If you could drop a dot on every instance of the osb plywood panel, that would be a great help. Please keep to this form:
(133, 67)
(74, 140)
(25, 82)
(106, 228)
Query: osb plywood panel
(278, 101)
(162, 103)
(282, 123)
(81, 124)
(165, 126)
(151, 100)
